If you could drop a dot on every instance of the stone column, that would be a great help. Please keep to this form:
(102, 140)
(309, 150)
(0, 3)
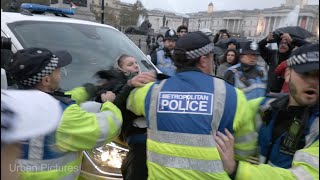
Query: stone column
(274, 23)
(299, 20)
(239, 22)
(266, 31)
(311, 24)
(307, 23)
(233, 25)
(227, 24)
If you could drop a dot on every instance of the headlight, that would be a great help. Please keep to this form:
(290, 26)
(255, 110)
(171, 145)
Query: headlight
(110, 155)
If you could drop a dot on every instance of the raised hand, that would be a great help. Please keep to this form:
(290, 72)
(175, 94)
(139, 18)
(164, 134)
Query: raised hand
(108, 96)
(142, 79)
(270, 37)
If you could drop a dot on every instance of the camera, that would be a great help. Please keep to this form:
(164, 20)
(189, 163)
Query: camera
(277, 35)
(6, 56)
(5, 43)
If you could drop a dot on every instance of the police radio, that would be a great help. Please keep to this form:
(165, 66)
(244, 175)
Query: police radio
(289, 145)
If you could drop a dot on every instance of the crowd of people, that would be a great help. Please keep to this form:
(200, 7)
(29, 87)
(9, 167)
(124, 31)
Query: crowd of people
(213, 116)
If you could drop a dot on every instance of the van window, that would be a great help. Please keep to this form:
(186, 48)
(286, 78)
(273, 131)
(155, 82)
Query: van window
(92, 47)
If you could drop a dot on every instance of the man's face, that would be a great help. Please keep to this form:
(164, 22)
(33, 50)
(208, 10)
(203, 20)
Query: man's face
(303, 88)
(54, 80)
(249, 59)
(182, 32)
(208, 69)
(283, 46)
(224, 36)
(170, 44)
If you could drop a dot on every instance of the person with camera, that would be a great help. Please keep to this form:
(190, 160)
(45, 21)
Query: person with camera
(222, 34)
(273, 58)
(6, 56)
(288, 126)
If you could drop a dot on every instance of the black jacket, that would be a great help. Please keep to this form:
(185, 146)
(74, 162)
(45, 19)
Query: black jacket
(117, 83)
(273, 58)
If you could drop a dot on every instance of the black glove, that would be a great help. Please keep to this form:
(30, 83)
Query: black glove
(91, 89)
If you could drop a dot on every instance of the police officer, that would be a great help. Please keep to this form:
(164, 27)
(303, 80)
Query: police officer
(183, 110)
(58, 155)
(289, 130)
(162, 58)
(248, 75)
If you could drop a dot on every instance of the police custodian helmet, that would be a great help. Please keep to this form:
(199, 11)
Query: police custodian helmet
(170, 35)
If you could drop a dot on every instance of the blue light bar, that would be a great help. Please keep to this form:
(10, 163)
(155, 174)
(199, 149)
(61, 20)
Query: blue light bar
(48, 9)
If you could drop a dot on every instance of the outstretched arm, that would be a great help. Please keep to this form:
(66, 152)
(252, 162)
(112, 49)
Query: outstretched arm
(305, 164)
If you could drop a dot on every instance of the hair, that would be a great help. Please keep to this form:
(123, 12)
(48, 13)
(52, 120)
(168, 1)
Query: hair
(224, 59)
(235, 42)
(182, 27)
(121, 58)
(180, 59)
(226, 34)
(160, 35)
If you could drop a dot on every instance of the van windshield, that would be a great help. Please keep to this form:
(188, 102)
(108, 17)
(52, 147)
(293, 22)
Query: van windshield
(93, 48)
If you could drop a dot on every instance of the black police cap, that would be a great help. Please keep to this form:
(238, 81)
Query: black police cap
(250, 47)
(36, 62)
(305, 58)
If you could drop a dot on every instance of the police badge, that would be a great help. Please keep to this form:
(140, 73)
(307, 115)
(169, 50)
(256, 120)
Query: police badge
(254, 45)
(171, 32)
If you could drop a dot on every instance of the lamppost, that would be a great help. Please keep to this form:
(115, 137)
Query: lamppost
(199, 24)
(102, 12)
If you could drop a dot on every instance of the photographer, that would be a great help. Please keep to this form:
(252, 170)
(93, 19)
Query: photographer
(6, 56)
(222, 34)
(273, 58)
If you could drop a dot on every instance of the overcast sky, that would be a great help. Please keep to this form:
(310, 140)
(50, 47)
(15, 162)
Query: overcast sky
(188, 6)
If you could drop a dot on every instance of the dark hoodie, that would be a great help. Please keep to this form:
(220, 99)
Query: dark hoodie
(117, 83)
(273, 58)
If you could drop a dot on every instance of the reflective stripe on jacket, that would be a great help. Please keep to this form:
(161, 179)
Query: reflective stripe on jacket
(59, 155)
(258, 85)
(165, 65)
(304, 164)
(277, 158)
(182, 112)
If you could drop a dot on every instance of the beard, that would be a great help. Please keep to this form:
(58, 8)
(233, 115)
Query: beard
(293, 91)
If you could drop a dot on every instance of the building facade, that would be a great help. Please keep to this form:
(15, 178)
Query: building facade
(252, 24)
(159, 18)
(259, 22)
(255, 23)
